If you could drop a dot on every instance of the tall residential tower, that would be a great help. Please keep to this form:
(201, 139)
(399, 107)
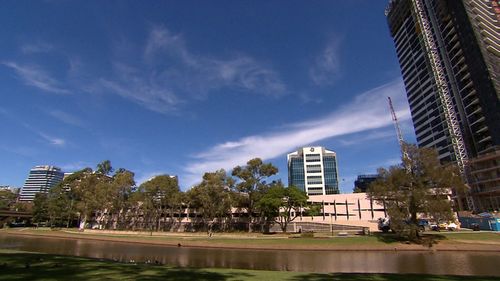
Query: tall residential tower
(449, 52)
(40, 180)
(313, 170)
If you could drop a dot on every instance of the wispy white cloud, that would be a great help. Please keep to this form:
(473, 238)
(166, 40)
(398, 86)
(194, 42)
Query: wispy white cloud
(52, 140)
(368, 136)
(25, 151)
(66, 118)
(168, 74)
(326, 67)
(75, 166)
(367, 111)
(38, 47)
(151, 92)
(33, 75)
(384, 164)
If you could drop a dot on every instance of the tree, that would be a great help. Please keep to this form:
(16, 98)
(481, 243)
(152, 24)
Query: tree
(104, 167)
(40, 208)
(212, 198)
(85, 193)
(357, 190)
(420, 186)
(7, 199)
(278, 203)
(252, 184)
(157, 195)
(121, 189)
(313, 209)
(58, 206)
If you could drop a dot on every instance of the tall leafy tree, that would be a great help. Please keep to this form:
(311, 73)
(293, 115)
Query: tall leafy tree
(282, 204)
(40, 208)
(84, 193)
(212, 198)
(104, 167)
(157, 195)
(121, 190)
(58, 206)
(420, 186)
(252, 184)
(7, 199)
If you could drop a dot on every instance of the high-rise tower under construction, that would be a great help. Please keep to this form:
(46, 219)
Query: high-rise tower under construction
(449, 52)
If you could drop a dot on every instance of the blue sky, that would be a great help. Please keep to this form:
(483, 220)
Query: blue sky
(185, 87)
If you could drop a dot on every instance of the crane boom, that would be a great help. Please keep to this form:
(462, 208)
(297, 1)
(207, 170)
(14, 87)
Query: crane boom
(396, 124)
(401, 141)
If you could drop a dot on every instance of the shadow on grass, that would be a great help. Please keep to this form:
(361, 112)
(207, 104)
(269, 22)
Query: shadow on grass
(385, 277)
(426, 239)
(28, 266)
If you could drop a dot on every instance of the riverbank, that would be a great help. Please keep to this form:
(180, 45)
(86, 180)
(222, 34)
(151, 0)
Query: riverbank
(17, 265)
(455, 241)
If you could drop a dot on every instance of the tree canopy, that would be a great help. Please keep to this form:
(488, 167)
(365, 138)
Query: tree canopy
(283, 204)
(252, 184)
(418, 187)
(212, 197)
(101, 199)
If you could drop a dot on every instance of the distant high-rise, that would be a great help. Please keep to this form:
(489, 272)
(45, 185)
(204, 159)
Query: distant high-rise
(314, 170)
(463, 61)
(363, 182)
(40, 179)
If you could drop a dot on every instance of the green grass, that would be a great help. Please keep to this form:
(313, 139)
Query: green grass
(279, 241)
(15, 265)
(474, 236)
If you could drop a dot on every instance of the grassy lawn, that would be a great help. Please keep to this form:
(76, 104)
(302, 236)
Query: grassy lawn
(225, 239)
(277, 241)
(472, 236)
(15, 265)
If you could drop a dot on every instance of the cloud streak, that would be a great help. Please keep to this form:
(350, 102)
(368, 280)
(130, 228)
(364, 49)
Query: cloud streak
(52, 140)
(66, 118)
(367, 111)
(75, 166)
(39, 47)
(369, 136)
(36, 77)
(326, 67)
(168, 74)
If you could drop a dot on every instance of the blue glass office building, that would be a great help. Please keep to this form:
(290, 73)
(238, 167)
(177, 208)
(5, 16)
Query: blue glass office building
(40, 179)
(314, 170)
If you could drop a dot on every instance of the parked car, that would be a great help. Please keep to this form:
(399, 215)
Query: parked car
(475, 226)
(423, 225)
(450, 226)
(434, 226)
(384, 224)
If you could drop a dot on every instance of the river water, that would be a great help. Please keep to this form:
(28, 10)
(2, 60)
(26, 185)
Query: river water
(454, 263)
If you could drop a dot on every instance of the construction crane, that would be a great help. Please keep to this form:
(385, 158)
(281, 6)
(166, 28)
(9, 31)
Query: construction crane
(444, 93)
(401, 141)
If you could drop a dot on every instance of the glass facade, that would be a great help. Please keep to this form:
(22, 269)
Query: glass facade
(40, 180)
(296, 173)
(466, 34)
(331, 179)
(314, 170)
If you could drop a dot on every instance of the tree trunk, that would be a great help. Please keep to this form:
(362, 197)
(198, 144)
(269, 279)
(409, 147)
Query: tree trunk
(83, 222)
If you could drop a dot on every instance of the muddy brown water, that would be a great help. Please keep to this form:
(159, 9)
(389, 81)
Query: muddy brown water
(425, 262)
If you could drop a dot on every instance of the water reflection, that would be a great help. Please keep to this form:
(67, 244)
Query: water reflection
(456, 263)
